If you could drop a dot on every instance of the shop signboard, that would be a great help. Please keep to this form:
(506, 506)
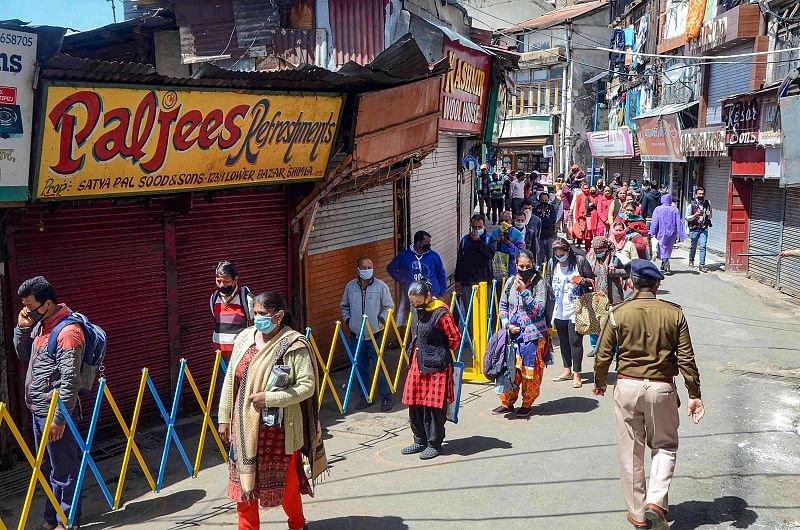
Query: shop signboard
(17, 68)
(615, 143)
(742, 118)
(790, 113)
(112, 140)
(703, 142)
(660, 139)
(466, 89)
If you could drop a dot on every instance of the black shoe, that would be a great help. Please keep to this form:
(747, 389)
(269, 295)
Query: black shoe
(703, 269)
(502, 409)
(691, 264)
(412, 449)
(386, 404)
(523, 412)
(428, 453)
(363, 404)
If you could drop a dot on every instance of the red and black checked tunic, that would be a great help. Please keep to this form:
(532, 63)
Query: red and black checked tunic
(435, 389)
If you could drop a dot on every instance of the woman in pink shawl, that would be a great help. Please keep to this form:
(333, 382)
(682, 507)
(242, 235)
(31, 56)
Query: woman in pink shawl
(600, 215)
(666, 227)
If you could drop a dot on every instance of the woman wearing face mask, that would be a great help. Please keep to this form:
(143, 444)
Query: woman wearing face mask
(231, 306)
(608, 275)
(601, 223)
(266, 465)
(522, 311)
(568, 277)
(429, 382)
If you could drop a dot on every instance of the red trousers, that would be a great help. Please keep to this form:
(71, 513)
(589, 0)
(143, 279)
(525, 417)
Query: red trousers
(292, 503)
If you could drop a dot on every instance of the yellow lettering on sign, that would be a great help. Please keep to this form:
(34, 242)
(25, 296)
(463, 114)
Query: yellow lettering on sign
(464, 76)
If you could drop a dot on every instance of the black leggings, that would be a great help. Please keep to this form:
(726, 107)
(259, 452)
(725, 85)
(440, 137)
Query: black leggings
(571, 344)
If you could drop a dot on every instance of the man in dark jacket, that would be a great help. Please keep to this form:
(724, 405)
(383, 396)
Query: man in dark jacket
(474, 260)
(40, 314)
(651, 199)
(414, 263)
(547, 212)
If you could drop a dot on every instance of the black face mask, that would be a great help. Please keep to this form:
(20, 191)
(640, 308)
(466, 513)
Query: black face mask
(35, 315)
(527, 275)
(426, 248)
(227, 289)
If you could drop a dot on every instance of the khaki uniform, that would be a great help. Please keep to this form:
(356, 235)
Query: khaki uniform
(653, 341)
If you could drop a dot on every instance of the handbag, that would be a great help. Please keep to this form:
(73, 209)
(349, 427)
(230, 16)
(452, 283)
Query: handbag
(452, 408)
(579, 228)
(591, 310)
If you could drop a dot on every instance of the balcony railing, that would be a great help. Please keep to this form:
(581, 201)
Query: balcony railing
(537, 99)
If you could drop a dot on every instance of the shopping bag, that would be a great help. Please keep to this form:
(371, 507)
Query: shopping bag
(452, 408)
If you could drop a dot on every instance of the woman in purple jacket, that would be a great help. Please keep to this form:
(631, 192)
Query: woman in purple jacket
(666, 227)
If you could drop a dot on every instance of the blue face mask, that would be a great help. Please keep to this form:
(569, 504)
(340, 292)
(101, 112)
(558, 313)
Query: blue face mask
(365, 274)
(481, 231)
(264, 324)
(601, 255)
(563, 258)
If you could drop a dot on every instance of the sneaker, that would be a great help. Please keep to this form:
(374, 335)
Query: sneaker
(387, 404)
(363, 404)
(523, 412)
(591, 353)
(412, 449)
(428, 453)
(502, 409)
(691, 264)
(703, 269)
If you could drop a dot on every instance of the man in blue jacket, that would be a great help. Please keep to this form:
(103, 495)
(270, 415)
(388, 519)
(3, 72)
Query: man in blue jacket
(417, 261)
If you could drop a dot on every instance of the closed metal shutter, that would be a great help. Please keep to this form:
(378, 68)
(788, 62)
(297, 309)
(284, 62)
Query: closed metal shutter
(465, 207)
(728, 80)
(434, 200)
(790, 267)
(766, 222)
(246, 227)
(629, 168)
(716, 175)
(108, 262)
(345, 230)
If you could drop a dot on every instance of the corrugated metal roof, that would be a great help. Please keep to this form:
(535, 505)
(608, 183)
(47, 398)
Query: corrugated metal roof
(357, 28)
(298, 46)
(560, 15)
(664, 110)
(401, 63)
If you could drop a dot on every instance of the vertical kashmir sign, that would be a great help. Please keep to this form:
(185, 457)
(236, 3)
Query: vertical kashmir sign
(466, 88)
(17, 67)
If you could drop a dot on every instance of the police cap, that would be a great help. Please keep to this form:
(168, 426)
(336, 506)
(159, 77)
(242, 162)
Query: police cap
(645, 269)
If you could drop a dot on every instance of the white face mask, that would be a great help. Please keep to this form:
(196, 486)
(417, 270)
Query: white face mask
(528, 215)
(365, 274)
(519, 226)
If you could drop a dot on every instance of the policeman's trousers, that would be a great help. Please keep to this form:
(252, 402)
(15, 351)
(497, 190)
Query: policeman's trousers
(646, 414)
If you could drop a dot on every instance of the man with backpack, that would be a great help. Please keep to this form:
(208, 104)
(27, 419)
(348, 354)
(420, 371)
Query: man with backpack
(474, 260)
(232, 307)
(56, 344)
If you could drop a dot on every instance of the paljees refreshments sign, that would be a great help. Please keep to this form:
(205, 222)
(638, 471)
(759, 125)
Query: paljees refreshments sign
(465, 89)
(105, 141)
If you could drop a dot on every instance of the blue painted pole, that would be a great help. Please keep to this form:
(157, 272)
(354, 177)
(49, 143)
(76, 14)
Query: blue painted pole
(354, 360)
(489, 326)
(465, 321)
(170, 421)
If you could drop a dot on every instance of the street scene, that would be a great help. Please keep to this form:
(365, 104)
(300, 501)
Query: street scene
(383, 264)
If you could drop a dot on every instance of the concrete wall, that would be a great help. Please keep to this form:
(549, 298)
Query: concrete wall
(448, 15)
(499, 14)
(167, 46)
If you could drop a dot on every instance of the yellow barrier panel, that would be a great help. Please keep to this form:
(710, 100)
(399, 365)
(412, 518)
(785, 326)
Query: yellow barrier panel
(37, 476)
(130, 433)
(327, 381)
(479, 326)
(205, 407)
(37, 472)
(391, 325)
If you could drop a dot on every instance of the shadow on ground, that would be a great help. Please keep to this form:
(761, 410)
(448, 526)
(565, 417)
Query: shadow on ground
(567, 405)
(729, 509)
(139, 512)
(359, 522)
(474, 445)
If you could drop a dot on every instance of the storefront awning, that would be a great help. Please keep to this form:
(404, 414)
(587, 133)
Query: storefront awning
(598, 77)
(523, 142)
(667, 109)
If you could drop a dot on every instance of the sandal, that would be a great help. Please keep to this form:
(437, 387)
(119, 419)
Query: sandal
(577, 384)
(562, 378)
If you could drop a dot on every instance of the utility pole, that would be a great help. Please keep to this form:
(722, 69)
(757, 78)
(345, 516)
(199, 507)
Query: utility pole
(567, 160)
(113, 10)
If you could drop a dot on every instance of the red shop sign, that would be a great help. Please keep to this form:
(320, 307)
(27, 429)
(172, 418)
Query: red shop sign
(742, 121)
(466, 89)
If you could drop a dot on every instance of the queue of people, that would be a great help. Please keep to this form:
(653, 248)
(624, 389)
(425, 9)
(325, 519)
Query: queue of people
(268, 400)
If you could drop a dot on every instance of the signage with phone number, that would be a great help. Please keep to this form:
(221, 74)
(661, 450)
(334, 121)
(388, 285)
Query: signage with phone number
(106, 141)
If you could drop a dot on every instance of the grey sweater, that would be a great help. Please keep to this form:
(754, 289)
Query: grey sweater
(374, 301)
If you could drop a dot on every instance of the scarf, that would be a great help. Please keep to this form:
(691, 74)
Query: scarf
(246, 418)
(630, 217)
(618, 239)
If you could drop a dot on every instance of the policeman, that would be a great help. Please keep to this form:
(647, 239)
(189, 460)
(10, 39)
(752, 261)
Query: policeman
(652, 339)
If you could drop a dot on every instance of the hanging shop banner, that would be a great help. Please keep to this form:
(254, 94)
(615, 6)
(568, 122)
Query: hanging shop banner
(790, 123)
(616, 143)
(106, 141)
(17, 67)
(660, 139)
(466, 89)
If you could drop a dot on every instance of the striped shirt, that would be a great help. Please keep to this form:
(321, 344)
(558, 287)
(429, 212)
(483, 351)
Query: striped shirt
(229, 319)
